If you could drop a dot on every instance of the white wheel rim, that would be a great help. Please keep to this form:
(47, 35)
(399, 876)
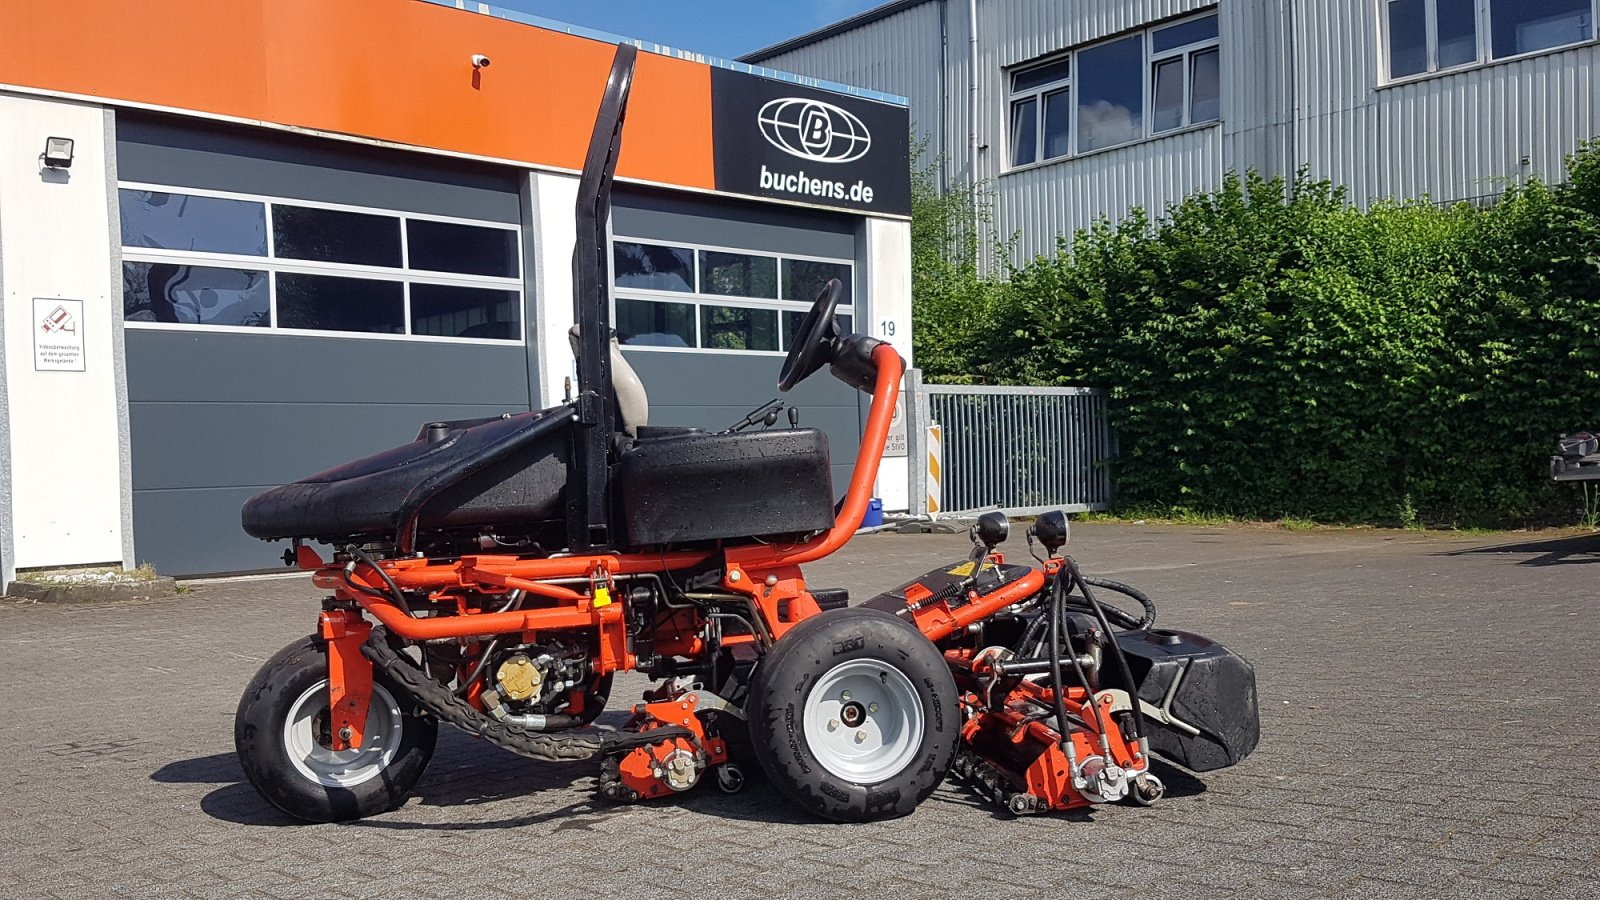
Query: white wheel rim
(863, 721)
(380, 739)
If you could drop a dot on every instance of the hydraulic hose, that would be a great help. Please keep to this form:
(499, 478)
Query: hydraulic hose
(1058, 605)
(483, 660)
(399, 595)
(1057, 685)
(488, 651)
(1116, 648)
(1118, 616)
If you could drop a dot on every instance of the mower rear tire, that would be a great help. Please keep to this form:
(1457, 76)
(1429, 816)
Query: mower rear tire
(280, 734)
(853, 715)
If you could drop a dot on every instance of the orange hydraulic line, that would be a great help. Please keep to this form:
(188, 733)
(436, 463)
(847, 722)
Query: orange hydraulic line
(423, 577)
(884, 395)
(482, 624)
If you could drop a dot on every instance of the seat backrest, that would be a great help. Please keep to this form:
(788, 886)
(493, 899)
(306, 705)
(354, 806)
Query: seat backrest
(633, 404)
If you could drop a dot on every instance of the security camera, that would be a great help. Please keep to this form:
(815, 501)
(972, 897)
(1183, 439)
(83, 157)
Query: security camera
(479, 61)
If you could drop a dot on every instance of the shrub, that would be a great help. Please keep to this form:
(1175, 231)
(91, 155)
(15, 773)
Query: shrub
(1274, 351)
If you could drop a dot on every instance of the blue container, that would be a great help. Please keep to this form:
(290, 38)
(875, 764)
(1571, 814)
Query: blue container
(874, 516)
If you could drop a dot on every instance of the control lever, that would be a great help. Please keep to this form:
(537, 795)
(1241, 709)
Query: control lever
(794, 417)
(765, 414)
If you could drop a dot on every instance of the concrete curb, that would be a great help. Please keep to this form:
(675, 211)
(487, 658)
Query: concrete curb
(150, 589)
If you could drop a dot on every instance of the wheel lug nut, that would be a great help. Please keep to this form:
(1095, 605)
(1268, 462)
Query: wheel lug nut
(861, 736)
(345, 734)
(833, 724)
(844, 695)
(872, 707)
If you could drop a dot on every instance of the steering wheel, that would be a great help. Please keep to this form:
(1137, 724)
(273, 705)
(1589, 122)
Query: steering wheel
(812, 345)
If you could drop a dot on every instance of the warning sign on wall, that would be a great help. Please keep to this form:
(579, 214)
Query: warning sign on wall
(57, 335)
(895, 445)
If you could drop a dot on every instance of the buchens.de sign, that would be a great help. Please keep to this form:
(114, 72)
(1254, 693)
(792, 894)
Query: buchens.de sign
(57, 335)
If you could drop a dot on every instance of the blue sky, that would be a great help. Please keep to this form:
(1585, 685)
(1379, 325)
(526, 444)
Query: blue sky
(725, 28)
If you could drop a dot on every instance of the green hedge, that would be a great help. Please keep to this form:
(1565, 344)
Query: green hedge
(1274, 351)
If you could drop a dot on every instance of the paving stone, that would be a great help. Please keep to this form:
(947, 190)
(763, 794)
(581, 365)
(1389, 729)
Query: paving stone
(1392, 742)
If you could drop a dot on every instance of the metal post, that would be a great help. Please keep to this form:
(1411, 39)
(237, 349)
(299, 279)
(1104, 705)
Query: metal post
(916, 413)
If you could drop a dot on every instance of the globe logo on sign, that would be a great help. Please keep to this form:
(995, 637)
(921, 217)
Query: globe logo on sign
(811, 129)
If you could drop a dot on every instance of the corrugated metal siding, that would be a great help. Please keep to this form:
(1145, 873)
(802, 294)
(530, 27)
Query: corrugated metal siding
(1300, 86)
(1042, 203)
(1448, 137)
(1025, 29)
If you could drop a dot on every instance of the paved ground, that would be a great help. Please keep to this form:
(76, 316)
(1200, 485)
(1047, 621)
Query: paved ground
(1429, 729)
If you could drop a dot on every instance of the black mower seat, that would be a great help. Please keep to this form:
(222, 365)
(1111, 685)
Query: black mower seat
(458, 474)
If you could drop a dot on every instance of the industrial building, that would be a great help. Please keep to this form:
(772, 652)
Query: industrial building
(1065, 112)
(244, 242)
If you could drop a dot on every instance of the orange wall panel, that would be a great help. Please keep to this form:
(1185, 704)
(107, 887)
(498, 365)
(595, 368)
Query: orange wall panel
(391, 70)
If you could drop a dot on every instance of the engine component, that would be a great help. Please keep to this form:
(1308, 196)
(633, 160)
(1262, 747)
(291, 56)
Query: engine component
(518, 678)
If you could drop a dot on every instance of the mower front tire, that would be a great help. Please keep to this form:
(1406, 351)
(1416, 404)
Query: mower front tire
(281, 733)
(853, 715)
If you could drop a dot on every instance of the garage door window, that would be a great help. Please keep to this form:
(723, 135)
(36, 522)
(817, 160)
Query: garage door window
(196, 295)
(205, 259)
(685, 297)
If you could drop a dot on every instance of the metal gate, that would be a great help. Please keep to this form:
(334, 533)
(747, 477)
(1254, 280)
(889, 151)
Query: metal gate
(1023, 450)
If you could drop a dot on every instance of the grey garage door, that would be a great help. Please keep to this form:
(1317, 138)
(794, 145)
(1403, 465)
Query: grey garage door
(292, 304)
(706, 292)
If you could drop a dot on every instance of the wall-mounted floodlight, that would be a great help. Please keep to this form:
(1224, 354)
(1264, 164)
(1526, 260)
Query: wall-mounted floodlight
(57, 153)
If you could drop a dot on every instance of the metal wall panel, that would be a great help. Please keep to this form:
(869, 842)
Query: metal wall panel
(216, 417)
(1448, 137)
(1040, 203)
(1025, 29)
(192, 153)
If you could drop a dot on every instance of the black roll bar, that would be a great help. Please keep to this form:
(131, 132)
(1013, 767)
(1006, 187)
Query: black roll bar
(588, 496)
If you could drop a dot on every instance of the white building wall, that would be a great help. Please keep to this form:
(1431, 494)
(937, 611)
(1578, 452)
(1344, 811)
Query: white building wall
(883, 261)
(65, 437)
(1301, 86)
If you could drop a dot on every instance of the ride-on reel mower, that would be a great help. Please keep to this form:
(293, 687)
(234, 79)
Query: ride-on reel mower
(495, 574)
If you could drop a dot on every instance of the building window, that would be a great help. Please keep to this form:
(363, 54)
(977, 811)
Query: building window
(1129, 88)
(1528, 26)
(1041, 105)
(335, 235)
(1435, 35)
(207, 258)
(159, 220)
(1185, 75)
(713, 298)
(196, 295)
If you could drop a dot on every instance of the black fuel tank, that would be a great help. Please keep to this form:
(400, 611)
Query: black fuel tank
(696, 487)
